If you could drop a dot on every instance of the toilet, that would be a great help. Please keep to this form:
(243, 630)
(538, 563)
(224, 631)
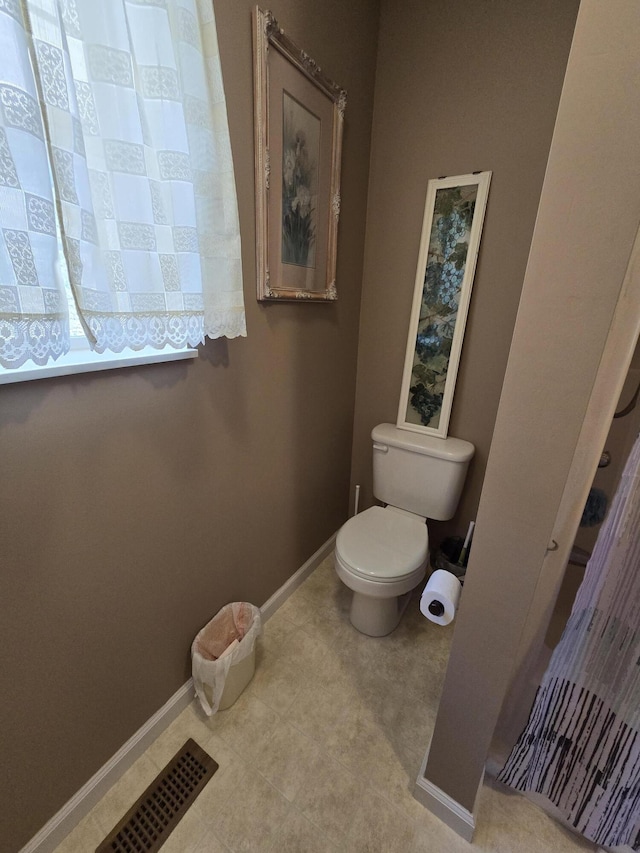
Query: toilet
(382, 553)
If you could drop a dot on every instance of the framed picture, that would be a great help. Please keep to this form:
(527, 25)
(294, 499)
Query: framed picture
(299, 116)
(451, 230)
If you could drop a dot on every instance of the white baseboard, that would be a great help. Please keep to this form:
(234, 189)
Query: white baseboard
(56, 830)
(445, 807)
(288, 587)
(70, 815)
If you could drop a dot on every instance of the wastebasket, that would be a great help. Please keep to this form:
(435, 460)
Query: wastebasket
(448, 554)
(223, 655)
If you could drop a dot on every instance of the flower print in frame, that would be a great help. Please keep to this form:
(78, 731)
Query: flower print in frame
(300, 150)
(299, 117)
(452, 226)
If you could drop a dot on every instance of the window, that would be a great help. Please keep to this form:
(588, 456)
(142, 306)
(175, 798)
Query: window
(117, 194)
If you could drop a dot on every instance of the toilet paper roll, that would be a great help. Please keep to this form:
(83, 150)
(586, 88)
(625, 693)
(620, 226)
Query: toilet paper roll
(440, 598)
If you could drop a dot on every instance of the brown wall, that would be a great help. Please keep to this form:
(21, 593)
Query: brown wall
(460, 87)
(576, 330)
(135, 503)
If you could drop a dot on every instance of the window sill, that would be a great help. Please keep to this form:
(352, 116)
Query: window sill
(86, 361)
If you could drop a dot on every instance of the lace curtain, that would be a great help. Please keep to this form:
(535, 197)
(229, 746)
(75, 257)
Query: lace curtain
(116, 173)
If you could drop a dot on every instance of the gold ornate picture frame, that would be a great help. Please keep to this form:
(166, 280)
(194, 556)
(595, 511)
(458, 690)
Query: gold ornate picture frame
(299, 118)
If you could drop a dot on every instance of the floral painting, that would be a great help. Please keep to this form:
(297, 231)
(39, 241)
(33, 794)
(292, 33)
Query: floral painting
(443, 278)
(298, 125)
(300, 155)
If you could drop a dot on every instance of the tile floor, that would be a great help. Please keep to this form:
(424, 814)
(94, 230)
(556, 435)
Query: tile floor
(321, 751)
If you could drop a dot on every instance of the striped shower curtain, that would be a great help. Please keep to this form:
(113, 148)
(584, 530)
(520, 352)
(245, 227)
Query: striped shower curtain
(580, 749)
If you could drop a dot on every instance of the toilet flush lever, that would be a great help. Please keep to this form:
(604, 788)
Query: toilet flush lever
(381, 447)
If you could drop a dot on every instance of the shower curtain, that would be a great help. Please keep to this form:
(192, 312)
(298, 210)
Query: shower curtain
(580, 749)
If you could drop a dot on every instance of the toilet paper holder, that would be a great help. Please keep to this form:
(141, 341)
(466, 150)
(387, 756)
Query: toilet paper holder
(436, 608)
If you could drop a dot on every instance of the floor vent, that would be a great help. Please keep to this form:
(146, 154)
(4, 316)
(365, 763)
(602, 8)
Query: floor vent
(150, 821)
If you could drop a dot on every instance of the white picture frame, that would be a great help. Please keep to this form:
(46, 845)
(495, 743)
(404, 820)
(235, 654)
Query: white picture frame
(449, 246)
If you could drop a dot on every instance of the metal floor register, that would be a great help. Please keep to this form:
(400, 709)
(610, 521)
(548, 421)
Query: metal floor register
(150, 821)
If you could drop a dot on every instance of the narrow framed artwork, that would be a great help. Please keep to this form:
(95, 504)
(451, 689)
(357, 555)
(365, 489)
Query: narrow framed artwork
(451, 230)
(299, 118)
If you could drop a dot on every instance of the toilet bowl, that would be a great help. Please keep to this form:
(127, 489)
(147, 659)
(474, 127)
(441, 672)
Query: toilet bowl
(381, 555)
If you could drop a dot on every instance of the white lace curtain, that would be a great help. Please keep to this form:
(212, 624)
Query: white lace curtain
(115, 173)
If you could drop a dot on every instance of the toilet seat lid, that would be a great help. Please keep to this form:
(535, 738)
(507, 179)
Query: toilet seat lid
(382, 544)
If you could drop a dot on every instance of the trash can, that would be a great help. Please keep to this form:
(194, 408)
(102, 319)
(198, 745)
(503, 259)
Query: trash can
(448, 554)
(223, 655)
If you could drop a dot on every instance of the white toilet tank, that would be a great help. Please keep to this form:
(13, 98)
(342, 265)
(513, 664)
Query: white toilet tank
(419, 473)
